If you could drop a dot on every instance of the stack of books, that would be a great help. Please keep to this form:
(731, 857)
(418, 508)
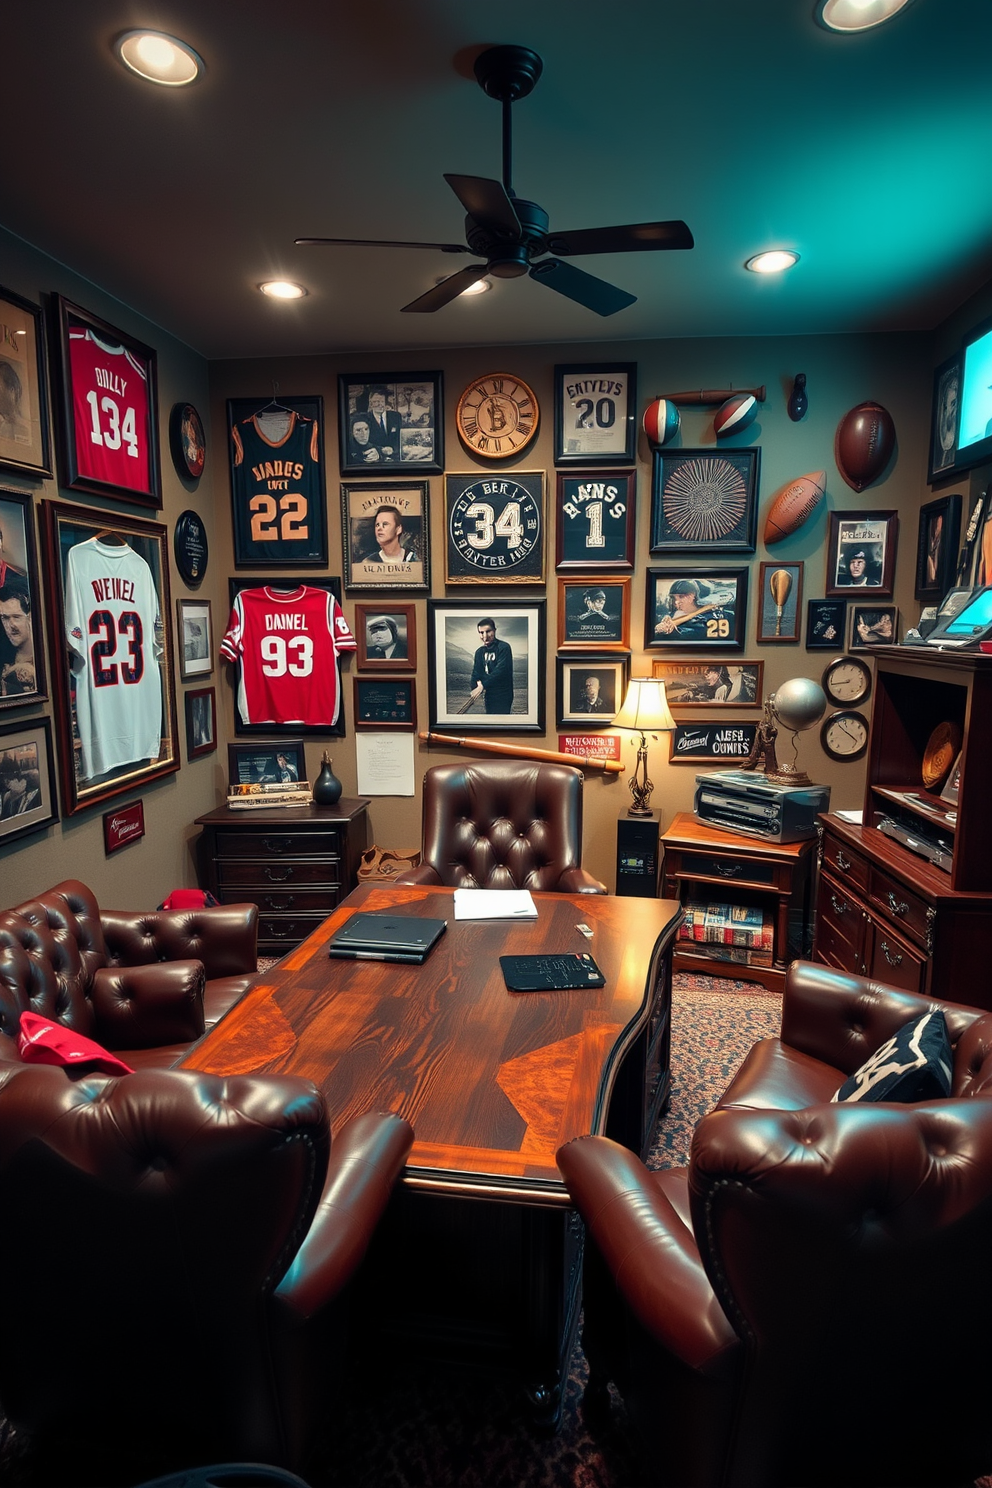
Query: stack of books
(743, 933)
(258, 797)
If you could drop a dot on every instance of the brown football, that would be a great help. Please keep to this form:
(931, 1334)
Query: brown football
(866, 437)
(793, 504)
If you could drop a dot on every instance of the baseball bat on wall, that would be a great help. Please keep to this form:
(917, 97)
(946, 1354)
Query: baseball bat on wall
(704, 396)
(521, 751)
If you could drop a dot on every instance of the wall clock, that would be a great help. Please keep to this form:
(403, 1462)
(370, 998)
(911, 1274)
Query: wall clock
(847, 680)
(844, 736)
(497, 415)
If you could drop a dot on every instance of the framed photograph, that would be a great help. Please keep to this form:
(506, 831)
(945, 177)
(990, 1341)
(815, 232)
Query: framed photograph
(826, 624)
(706, 498)
(201, 722)
(196, 638)
(596, 413)
(711, 683)
(122, 826)
(725, 744)
(781, 586)
(944, 418)
(596, 514)
(22, 661)
(385, 703)
(387, 637)
(594, 613)
(108, 409)
(486, 665)
(276, 762)
(284, 586)
(861, 552)
(24, 438)
(27, 778)
(111, 648)
(278, 504)
(937, 547)
(187, 441)
(391, 423)
(386, 535)
(590, 689)
(698, 607)
(873, 625)
(494, 528)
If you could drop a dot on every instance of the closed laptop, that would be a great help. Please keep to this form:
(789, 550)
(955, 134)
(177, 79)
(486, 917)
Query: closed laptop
(383, 937)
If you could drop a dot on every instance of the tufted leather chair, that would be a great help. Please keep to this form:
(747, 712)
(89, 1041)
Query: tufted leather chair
(505, 824)
(183, 1244)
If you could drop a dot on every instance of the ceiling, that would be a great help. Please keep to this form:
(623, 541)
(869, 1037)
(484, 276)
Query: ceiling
(870, 155)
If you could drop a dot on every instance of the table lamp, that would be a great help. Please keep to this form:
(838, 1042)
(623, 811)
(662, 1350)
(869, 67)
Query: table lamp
(645, 710)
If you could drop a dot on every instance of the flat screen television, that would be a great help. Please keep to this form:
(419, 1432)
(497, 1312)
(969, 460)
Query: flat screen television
(963, 397)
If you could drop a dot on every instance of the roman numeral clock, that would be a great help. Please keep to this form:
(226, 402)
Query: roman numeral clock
(497, 415)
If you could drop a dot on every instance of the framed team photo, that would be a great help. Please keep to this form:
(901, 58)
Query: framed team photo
(826, 624)
(595, 526)
(596, 413)
(108, 409)
(385, 703)
(196, 638)
(281, 762)
(110, 643)
(201, 722)
(711, 683)
(781, 588)
(387, 637)
(22, 660)
(386, 538)
(594, 613)
(705, 499)
(485, 665)
(494, 528)
(391, 423)
(697, 607)
(278, 502)
(589, 689)
(24, 438)
(861, 553)
(27, 778)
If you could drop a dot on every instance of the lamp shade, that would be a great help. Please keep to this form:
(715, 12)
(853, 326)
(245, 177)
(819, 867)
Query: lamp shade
(645, 707)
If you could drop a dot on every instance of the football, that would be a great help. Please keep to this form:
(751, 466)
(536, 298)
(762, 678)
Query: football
(792, 505)
(661, 421)
(736, 413)
(866, 437)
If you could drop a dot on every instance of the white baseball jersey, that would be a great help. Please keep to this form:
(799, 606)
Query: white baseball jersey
(287, 647)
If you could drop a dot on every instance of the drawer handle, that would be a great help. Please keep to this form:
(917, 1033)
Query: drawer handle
(277, 844)
(895, 906)
(732, 870)
(892, 960)
(843, 863)
(274, 877)
(286, 902)
(840, 905)
(281, 932)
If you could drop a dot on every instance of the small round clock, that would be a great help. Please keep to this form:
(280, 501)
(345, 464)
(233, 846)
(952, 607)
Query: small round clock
(847, 680)
(844, 735)
(497, 415)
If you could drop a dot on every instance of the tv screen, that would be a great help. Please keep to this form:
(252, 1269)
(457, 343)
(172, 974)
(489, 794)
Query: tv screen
(974, 618)
(975, 422)
(961, 433)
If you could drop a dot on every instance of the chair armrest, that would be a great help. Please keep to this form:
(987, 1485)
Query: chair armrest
(578, 881)
(225, 938)
(422, 874)
(144, 1007)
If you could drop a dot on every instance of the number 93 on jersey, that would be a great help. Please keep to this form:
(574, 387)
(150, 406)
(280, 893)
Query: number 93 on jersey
(495, 528)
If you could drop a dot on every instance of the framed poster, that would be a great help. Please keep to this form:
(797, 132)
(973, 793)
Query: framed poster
(196, 638)
(826, 624)
(24, 438)
(590, 689)
(595, 529)
(277, 481)
(22, 661)
(944, 419)
(187, 441)
(704, 498)
(387, 637)
(304, 664)
(111, 649)
(494, 528)
(122, 826)
(595, 413)
(781, 589)
(861, 552)
(385, 703)
(108, 408)
(594, 613)
(27, 778)
(486, 665)
(723, 744)
(387, 535)
(873, 625)
(698, 607)
(272, 763)
(391, 423)
(937, 547)
(711, 683)
(201, 722)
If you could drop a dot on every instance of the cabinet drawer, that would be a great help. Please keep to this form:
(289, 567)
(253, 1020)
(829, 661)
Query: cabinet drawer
(276, 901)
(275, 844)
(841, 926)
(845, 863)
(713, 865)
(232, 873)
(899, 904)
(895, 961)
(281, 931)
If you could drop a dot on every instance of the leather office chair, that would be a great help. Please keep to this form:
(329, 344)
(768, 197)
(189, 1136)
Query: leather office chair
(504, 824)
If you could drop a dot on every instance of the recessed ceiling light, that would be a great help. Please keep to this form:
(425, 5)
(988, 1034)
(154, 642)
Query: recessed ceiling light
(479, 287)
(282, 289)
(856, 15)
(159, 58)
(775, 261)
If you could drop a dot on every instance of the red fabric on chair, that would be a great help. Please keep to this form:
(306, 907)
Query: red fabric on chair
(43, 1042)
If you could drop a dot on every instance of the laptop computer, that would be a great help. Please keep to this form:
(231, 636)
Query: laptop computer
(383, 937)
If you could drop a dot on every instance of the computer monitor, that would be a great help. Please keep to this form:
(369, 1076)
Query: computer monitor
(971, 624)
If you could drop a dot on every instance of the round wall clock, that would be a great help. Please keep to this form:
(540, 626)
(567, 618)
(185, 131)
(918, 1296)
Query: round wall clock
(497, 415)
(189, 544)
(844, 735)
(187, 440)
(847, 680)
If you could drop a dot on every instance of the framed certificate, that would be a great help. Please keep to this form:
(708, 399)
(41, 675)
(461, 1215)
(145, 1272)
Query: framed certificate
(595, 408)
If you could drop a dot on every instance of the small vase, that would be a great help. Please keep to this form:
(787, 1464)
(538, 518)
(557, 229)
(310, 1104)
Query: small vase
(327, 787)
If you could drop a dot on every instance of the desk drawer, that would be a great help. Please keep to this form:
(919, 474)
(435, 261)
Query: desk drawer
(277, 874)
(841, 927)
(276, 844)
(845, 863)
(714, 865)
(895, 961)
(296, 902)
(899, 904)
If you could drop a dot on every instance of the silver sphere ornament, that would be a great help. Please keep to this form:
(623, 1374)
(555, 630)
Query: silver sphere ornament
(799, 703)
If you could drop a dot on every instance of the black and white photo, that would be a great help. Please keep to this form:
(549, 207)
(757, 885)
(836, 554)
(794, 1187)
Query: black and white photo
(196, 640)
(594, 614)
(589, 689)
(486, 665)
(22, 663)
(861, 552)
(386, 535)
(390, 423)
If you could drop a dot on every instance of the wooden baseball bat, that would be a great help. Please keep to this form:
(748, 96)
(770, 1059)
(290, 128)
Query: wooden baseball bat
(711, 395)
(521, 751)
(714, 604)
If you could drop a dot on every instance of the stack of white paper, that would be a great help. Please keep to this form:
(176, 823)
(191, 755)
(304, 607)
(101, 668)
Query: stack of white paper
(494, 904)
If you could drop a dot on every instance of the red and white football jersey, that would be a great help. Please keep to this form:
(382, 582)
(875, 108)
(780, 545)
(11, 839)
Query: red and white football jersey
(110, 410)
(287, 647)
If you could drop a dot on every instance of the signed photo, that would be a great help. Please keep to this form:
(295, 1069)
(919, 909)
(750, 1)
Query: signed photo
(386, 535)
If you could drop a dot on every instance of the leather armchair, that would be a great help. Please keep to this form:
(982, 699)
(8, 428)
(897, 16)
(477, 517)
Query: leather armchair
(505, 824)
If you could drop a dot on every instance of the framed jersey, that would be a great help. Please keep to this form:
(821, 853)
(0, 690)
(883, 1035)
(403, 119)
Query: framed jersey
(108, 409)
(278, 498)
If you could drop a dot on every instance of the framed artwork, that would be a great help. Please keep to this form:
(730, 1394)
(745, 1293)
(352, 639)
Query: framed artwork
(391, 423)
(723, 744)
(594, 613)
(944, 418)
(494, 528)
(596, 413)
(590, 689)
(277, 481)
(196, 638)
(387, 637)
(108, 408)
(485, 665)
(122, 826)
(187, 441)
(111, 649)
(281, 762)
(711, 683)
(937, 547)
(861, 552)
(201, 722)
(386, 535)
(596, 514)
(24, 436)
(781, 588)
(27, 778)
(287, 585)
(706, 498)
(698, 607)
(385, 703)
(826, 624)
(22, 661)
(873, 625)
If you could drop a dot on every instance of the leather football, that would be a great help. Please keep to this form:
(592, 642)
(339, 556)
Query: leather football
(793, 505)
(866, 437)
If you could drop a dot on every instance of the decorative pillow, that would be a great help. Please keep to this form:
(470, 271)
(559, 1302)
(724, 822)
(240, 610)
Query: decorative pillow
(42, 1042)
(914, 1065)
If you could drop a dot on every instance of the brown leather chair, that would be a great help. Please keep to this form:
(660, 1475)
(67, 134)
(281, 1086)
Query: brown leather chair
(504, 824)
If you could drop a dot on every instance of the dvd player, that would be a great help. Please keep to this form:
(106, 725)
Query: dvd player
(936, 850)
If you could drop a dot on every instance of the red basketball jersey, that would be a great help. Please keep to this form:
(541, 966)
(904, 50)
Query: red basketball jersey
(287, 647)
(110, 410)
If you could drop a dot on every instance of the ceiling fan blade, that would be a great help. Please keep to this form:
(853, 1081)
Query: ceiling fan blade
(634, 237)
(585, 289)
(449, 289)
(376, 243)
(487, 201)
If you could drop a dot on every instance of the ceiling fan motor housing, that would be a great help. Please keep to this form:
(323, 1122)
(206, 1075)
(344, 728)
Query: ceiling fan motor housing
(509, 258)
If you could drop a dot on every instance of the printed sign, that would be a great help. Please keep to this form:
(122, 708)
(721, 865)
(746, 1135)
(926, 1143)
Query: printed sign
(590, 746)
(695, 743)
(123, 826)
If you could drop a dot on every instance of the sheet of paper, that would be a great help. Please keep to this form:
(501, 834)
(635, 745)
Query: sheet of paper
(854, 817)
(385, 763)
(494, 904)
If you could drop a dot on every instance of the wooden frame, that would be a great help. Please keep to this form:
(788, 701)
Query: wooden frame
(937, 547)
(278, 490)
(596, 521)
(26, 746)
(401, 621)
(453, 641)
(596, 413)
(413, 439)
(692, 683)
(385, 703)
(873, 625)
(494, 527)
(405, 525)
(707, 610)
(590, 689)
(594, 614)
(194, 625)
(257, 763)
(122, 826)
(201, 722)
(826, 624)
(724, 744)
(780, 602)
(287, 583)
(25, 443)
(870, 533)
(22, 657)
(704, 500)
(944, 419)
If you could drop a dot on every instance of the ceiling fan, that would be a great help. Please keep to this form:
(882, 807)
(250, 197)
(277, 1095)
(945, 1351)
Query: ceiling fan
(511, 235)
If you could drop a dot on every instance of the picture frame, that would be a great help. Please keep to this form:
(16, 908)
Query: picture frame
(398, 556)
(122, 826)
(28, 802)
(944, 419)
(590, 689)
(25, 439)
(109, 741)
(780, 586)
(195, 633)
(495, 527)
(724, 744)
(22, 655)
(594, 613)
(108, 409)
(287, 583)
(278, 500)
(385, 703)
(937, 547)
(201, 722)
(454, 642)
(595, 413)
(872, 534)
(711, 683)
(826, 624)
(408, 440)
(260, 763)
(595, 527)
(375, 653)
(704, 499)
(187, 441)
(873, 625)
(705, 608)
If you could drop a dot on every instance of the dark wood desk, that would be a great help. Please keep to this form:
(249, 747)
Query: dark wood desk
(480, 1257)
